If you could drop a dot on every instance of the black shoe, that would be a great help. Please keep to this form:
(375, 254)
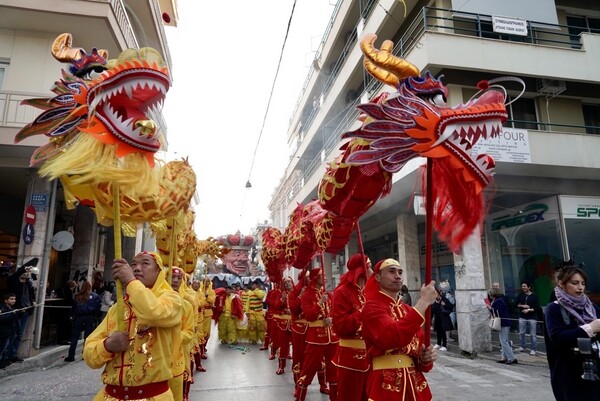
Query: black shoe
(16, 360)
(513, 362)
(501, 361)
(69, 359)
(4, 364)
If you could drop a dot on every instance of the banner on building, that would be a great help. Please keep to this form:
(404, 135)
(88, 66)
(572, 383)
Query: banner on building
(580, 207)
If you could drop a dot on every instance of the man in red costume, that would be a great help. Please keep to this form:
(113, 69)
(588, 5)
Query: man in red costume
(299, 328)
(282, 318)
(394, 337)
(351, 355)
(321, 341)
(271, 298)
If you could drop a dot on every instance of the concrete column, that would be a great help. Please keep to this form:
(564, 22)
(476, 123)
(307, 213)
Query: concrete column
(330, 285)
(408, 252)
(39, 186)
(471, 314)
(84, 246)
(350, 249)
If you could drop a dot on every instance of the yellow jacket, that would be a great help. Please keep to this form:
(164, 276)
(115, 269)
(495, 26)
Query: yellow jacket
(206, 296)
(153, 318)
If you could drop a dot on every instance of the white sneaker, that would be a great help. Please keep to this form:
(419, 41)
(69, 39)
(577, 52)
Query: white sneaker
(520, 349)
(436, 346)
(443, 349)
(532, 353)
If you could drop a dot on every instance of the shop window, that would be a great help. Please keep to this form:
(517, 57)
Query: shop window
(591, 118)
(583, 250)
(522, 114)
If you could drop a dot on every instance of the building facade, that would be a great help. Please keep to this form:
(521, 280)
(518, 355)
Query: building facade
(545, 201)
(68, 242)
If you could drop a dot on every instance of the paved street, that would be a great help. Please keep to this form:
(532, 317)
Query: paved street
(236, 375)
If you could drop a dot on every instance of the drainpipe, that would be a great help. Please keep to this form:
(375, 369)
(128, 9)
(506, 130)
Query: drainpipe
(41, 294)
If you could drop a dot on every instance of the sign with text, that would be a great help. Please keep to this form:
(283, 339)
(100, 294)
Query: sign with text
(580, 207)
(512, 145)
(511, 26)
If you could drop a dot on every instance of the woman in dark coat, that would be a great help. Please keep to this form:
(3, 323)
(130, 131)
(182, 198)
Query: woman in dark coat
(500, 308)
(441, 310)
(570, 317)
(86, 306)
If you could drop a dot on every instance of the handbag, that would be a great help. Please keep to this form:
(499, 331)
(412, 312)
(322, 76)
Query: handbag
(495, 322)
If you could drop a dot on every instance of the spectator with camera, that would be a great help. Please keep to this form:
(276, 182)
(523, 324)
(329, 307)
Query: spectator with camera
(21, 285)
(572, 319)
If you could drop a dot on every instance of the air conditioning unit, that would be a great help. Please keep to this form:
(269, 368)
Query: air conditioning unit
(551, 86)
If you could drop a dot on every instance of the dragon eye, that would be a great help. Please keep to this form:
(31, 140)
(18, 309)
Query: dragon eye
(92, 73)
(437, 100)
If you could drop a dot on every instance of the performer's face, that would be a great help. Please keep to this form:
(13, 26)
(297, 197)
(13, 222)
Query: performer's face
(145, 269)
(195, 285)
(390, 279)
(176, 281)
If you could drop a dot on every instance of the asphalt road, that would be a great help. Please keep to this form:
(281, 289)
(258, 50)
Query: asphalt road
(244, 373)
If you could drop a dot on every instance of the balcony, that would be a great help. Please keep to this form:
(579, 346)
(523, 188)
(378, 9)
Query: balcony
(426, 39)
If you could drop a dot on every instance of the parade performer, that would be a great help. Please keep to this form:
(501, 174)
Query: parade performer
(282, 338)
(242, 326)
(394, 336)
(137, 362)
(181, 349)
(256, 318)
(228, 309)
(321, 341)
(351, 356)
(194, 347)
(206, 296)
(299, 328)
(272, 296)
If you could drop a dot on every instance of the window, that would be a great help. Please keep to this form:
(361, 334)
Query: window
(3, 70)
(578, 24)
(591, 118)
(522, 114)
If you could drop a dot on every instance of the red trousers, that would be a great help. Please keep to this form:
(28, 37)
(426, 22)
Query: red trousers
(352, 385)
(314, 355)
(281, 341)
(298, 348)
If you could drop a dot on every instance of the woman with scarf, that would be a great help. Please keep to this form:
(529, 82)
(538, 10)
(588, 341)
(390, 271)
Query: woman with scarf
(571, 316)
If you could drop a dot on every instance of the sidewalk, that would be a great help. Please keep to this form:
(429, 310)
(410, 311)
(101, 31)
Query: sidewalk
(524, 358)
(42, 361)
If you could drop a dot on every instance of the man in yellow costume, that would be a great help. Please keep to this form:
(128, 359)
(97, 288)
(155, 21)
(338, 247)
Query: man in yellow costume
(206, 296)
(242, 329)
(199, 301)
(137, 362)
(181, 350)
(257, 324)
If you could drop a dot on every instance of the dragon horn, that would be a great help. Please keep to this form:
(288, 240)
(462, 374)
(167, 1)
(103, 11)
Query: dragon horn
(62, 50)
(382, 64)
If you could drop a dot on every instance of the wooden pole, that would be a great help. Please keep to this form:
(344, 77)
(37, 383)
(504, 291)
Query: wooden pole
(361, 248)
(428, 243)
(118, 255)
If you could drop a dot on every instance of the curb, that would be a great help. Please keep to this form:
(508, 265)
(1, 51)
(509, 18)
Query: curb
(41, 361)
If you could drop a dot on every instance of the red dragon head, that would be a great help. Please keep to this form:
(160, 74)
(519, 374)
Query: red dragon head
(416, 121)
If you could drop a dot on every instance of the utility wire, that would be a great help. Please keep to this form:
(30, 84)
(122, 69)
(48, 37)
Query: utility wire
(272, 90)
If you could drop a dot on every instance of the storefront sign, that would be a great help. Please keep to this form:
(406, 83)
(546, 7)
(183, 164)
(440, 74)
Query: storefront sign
(511, 26)
(512, 145)
(580, 207)
(529, 213)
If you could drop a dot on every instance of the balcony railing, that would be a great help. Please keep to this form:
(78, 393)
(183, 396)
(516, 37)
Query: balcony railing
(12, 113)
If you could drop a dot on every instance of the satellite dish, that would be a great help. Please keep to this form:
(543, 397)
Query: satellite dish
(62, 241)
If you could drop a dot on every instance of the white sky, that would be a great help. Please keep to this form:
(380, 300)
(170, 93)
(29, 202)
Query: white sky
(225, 56)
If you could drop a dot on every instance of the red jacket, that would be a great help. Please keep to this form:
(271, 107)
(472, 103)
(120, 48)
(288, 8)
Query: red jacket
(348, 300)
(237, 310)
(317, 332)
